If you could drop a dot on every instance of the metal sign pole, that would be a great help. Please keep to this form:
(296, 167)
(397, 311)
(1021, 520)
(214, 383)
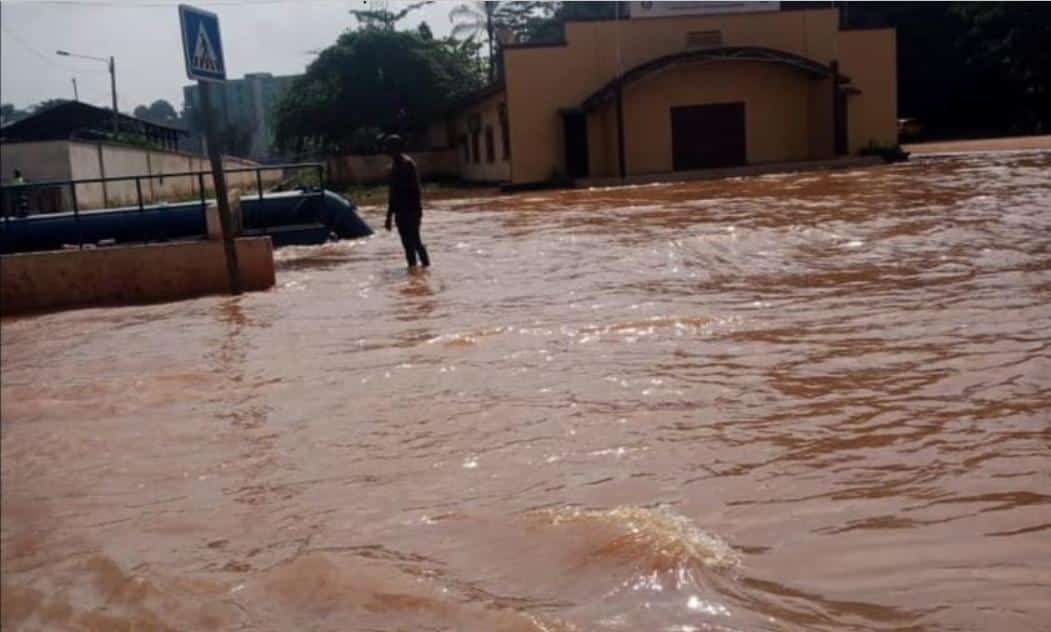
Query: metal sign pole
(225, 221)
(202, 47)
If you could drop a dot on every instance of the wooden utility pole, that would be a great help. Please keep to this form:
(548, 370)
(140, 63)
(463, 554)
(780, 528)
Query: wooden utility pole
(219, 176)
(113, 92)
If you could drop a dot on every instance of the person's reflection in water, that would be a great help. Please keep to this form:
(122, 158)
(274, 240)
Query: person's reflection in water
(231, 353)
(414, 305)
(418, 298)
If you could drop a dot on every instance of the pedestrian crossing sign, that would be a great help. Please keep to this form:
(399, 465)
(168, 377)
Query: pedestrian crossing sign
(201, 44)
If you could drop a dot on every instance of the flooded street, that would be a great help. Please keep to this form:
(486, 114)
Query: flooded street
(789, 402)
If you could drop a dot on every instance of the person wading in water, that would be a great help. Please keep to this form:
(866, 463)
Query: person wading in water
(404, 202)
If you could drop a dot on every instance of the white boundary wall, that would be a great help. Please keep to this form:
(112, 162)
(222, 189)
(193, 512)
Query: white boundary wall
(76, 160)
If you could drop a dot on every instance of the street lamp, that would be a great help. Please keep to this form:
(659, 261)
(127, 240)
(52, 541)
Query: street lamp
(112, 82)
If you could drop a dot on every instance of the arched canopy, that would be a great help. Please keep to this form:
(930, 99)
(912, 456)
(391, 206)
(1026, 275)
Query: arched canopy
(726, 53)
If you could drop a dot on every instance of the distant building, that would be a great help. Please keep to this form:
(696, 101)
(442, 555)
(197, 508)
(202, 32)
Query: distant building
(247, 107)
(74, 120)
(679, 86)
(75, 141)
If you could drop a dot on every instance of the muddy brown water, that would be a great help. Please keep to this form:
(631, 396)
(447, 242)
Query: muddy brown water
(792, 402)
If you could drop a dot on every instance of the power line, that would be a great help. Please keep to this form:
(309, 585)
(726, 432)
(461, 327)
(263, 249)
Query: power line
(42, 56)
(33, 50)
(56, 64)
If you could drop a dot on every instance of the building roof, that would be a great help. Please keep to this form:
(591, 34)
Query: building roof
(74, 119)
(724, 53)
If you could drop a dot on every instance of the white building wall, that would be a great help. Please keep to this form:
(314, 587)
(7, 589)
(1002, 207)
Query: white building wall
(77, 160)
(478, 168)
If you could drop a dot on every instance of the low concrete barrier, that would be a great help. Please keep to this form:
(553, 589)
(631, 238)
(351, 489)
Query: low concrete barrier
(45, 281)
(851, 162)
(374, 169)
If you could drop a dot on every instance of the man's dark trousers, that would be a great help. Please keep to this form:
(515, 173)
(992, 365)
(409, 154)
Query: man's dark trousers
(409, 230)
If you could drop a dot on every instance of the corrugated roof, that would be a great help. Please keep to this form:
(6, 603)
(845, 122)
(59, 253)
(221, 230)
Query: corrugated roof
(73, 118)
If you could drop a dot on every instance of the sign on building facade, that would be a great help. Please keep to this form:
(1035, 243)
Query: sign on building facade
(671, 9)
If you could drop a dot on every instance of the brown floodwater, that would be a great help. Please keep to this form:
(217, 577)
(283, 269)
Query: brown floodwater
(790, 402)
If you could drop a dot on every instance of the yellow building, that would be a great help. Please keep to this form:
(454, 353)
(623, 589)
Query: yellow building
(641, 96)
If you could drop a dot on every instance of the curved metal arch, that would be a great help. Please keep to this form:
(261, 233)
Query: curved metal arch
(726, 53)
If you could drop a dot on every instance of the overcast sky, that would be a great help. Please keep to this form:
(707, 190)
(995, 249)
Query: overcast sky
(258, 36)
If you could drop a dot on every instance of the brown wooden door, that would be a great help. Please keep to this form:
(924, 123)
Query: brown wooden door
(708, 136)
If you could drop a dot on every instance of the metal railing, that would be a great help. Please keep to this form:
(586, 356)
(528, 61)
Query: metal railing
(48, 197)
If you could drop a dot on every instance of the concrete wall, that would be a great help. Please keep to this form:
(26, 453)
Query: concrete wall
(47, 160)
(374, 169)
(869, 58)
(86, 162)
(74, 160)
(162, 188)
(128, 274)
(543, 80)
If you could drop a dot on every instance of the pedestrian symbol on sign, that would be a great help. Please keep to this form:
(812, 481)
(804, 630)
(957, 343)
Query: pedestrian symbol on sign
(202, 45)
(204, 53)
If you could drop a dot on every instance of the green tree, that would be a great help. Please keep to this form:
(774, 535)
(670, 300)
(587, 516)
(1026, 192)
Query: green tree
(496, 21)
(473, 19)
(160, 112)
(163, 113)
(10, 114)
(46, 104)
(547, 24)
(382, 17)
(967, 69)
(374, 77)
(1012, 42)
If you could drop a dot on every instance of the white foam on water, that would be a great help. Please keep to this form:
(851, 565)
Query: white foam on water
(655, 538)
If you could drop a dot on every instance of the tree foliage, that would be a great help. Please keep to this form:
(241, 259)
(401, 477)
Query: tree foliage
(967, 69)
(46, 104)
(1011, 44)
(160, 112)
(374, 78)
(545, 23)
(497, 22)
(382, 17)
(9, 113)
